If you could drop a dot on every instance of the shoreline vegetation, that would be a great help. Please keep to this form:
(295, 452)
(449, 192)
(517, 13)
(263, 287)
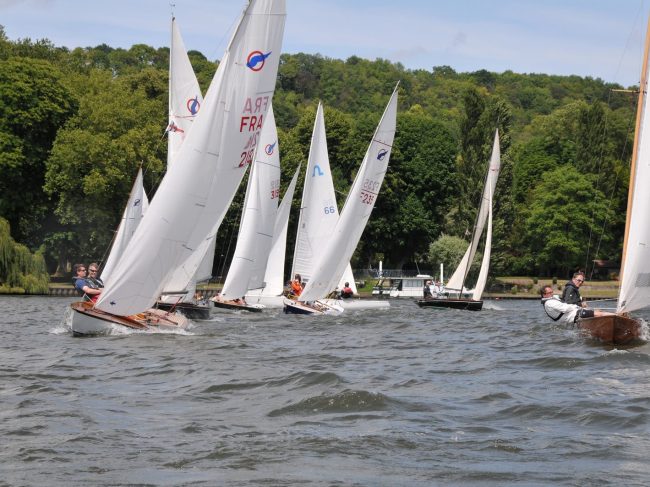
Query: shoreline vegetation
(512, 288)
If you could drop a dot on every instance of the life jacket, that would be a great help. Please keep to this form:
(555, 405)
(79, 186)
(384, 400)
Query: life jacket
(571, 294)
(347, 292)
(296, 288)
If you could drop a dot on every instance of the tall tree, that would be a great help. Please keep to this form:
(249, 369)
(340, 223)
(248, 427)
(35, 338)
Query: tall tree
(34, 103)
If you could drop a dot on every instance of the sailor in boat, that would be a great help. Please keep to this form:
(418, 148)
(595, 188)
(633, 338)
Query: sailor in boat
(93, 276)
(296, 286)
(347, 292)
(558, 310)
(437, 290)
(84, 286)
(571, 292)
(426, 290)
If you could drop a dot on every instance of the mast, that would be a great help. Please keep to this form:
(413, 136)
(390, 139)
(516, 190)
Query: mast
(643, 88)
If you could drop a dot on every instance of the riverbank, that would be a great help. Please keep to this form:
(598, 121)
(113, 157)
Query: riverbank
(510, 288)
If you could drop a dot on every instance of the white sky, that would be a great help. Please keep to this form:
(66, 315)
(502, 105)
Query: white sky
(599, 38)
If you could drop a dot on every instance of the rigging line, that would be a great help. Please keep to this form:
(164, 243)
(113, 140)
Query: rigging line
(624, 149)
(601, 158)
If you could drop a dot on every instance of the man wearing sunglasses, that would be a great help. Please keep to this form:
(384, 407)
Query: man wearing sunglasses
(571, 291)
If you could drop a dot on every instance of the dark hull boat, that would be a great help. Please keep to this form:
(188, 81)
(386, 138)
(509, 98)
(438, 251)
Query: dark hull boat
(312, 308)
(192, 311)
(466, 304)
(232, 305)
(614, 329)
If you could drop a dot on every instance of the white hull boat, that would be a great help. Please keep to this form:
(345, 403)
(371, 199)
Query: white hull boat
(87, 320)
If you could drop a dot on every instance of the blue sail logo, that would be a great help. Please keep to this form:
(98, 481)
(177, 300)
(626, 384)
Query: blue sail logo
(381, 154)
(270, 148)
(256, 60)
(193, 105)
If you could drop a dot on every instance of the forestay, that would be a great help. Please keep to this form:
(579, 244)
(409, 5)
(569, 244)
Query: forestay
(258, 217)
(194, 195)
(358, 206)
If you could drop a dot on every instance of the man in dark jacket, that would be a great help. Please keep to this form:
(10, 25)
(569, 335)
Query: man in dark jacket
(571, 292)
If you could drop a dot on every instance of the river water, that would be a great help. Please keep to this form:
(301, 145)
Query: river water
(399, 397)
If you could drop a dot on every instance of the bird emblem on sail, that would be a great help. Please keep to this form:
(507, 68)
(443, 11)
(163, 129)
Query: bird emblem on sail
(381, 154)
(270, 148)
(256, 60)
(193, 105)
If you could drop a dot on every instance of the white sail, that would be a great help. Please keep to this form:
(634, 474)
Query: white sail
(341, 244)
(185, 100)
(185, 97)
(457, 279)
(635, 283)
(318, 210)
(274, 276)
(485, 263)
(194, 195)
(258, 217)
(135, 209)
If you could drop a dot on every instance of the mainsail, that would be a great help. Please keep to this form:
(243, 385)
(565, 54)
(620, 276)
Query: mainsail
(634, 293)
(185, 97)
(342, 242)
(198, 188)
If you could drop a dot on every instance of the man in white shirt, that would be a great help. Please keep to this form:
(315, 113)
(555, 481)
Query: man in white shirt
(558, 310)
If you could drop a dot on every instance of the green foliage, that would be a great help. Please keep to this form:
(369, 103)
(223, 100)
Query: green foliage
(559, 218)
(21, 272)
(96, 156)
(75, 126)
(449, 251)
(34, 104)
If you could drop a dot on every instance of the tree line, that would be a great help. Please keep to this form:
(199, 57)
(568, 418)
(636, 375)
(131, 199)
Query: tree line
(75, 125)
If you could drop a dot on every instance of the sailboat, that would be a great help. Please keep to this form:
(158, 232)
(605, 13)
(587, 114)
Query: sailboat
(198, 188)
(272, 294)
(335, 255)
(456, 284)
(185, 100)
(257, 223)
(634, 291)
(318, 210)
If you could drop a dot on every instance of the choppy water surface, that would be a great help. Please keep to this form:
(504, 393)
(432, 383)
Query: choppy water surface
(398, 397)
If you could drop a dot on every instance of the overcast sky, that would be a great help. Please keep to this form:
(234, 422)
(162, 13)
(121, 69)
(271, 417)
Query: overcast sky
(598, 38)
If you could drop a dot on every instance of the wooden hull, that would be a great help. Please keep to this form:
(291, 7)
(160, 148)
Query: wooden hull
(253, 308)
(615, 329)
(466, 304)
(315, 308)
(87, 320)
(190, 310)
